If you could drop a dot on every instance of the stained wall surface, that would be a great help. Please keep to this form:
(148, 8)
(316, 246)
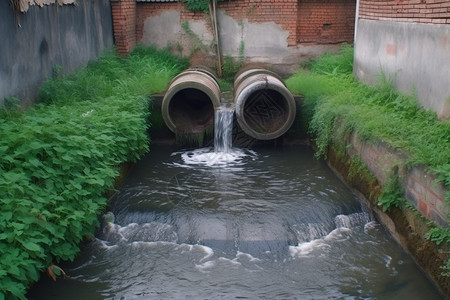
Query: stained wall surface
(409, 41)
(41, 39)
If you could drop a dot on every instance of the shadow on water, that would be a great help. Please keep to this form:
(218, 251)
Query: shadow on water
(274, 223)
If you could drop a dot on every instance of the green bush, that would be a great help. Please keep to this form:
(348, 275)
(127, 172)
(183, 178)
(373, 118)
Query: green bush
(59, 158)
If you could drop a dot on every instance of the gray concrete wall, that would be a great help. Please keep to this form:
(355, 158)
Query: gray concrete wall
(263, 42)
(49, 36)
(416, 56)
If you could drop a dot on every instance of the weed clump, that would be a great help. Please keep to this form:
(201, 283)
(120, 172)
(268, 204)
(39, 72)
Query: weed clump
(58, 158)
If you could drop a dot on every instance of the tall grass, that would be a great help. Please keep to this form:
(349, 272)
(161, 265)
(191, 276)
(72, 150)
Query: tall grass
(59, 158)
(374, 112)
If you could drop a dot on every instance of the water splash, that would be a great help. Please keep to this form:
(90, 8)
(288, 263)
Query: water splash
(210, 157)
(223, 154)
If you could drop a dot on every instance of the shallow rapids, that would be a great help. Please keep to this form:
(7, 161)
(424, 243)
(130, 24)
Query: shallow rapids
(274, 223)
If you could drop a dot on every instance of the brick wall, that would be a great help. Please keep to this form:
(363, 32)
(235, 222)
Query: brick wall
(310, 21)
(284, 13)
(426, 195)
(417, 11)
(124, 24)
(420, 185)
(326, 21)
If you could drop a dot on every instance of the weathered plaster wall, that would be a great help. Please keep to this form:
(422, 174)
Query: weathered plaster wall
(416, 56)
(283, 13)
(68, 36)
(264, 42)
(166, 31)
(266, 32)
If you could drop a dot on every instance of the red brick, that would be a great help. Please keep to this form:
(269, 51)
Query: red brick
(423, 207)
(412, 11)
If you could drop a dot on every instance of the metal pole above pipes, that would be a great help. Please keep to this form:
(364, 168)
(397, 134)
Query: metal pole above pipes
(213, 14)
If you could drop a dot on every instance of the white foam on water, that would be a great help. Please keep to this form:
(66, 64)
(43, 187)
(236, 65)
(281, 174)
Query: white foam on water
(352, 220)
(209, 157)
(205, 266)
(387, 260)
(105, 245)
(251, 258)
(208, 251)
(134, 232)
(306, 248)
(339, 235)
(342, 232)
(372, 225)
(126, 229)
(189, 248)
(239, 260)
(321, 245)
(233, 261)
(138, 244)
(112, 234)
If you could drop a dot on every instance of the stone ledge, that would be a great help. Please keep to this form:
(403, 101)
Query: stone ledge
(419, 183)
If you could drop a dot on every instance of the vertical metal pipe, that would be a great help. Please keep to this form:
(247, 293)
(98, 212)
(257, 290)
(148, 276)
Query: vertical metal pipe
(356, 21)
(213, 15)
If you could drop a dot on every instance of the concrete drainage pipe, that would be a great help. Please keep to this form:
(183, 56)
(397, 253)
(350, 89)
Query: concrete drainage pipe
(190, 101)
(265, 109)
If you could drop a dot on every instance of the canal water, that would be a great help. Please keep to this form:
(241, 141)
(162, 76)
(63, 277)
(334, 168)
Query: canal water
(271, 223)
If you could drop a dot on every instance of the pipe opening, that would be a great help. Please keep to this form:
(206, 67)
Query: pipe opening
(191, 110)
(266, 111)
(190, 102)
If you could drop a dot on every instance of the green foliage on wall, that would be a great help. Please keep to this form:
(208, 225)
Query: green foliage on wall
(392, 194)
(232, 65)
(198, 5)
(59, 158)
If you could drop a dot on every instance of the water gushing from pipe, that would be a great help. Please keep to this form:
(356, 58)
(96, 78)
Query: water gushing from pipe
(223, 127)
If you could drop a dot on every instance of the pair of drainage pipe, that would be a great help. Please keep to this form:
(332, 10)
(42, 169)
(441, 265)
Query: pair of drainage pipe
(264, 107)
